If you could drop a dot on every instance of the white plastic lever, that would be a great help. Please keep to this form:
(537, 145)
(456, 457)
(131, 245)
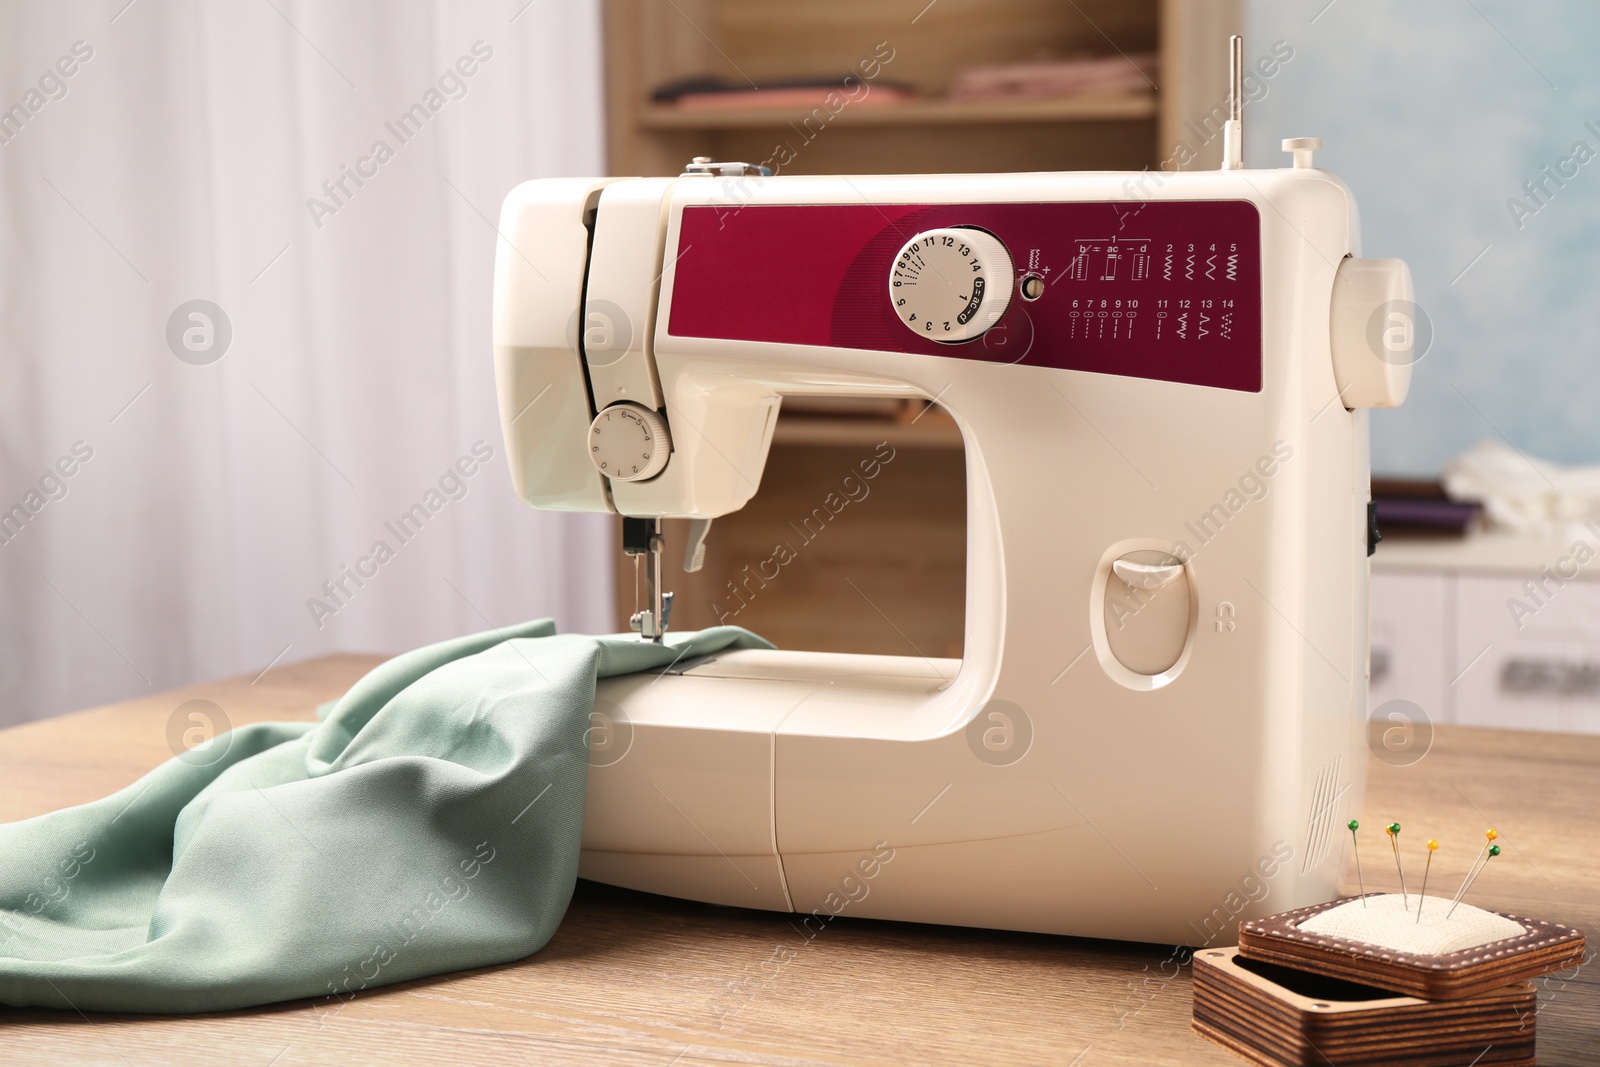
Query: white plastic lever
(694, 555)
(1147, 575)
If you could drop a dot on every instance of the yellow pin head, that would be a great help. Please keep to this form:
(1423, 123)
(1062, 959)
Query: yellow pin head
(1492, 834)
(1432, 845)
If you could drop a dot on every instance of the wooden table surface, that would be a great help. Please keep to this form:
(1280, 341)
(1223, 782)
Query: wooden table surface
(636, 979)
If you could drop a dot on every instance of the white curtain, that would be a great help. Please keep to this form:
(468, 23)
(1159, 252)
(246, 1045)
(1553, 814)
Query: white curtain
(164, 520)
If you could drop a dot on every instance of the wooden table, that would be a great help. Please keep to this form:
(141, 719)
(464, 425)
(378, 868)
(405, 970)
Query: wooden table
(636, 979)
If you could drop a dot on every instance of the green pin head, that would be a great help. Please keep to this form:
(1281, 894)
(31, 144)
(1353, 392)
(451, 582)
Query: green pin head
(1354, 826)
(1494, 850)
(1393, 828)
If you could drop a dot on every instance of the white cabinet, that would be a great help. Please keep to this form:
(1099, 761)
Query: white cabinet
(1541, 675)
(1409, 653)
(1489, 631)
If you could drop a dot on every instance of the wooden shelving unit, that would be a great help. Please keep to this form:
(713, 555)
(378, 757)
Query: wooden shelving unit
(650, 43)
(889, 577)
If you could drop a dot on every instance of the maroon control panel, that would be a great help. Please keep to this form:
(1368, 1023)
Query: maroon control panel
(1169, 290)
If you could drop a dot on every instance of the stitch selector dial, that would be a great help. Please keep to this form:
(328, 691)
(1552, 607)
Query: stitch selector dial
(951, 284)
(629, 442)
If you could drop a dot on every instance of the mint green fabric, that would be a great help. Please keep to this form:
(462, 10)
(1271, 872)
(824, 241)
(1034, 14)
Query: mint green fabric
(430, 821)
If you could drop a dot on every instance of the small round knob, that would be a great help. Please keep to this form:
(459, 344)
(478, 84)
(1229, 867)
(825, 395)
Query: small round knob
(629, 442)
(1302, 147)
(952, 284)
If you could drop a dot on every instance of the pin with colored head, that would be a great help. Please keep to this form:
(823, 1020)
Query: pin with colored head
(1362, 882)
(1422, 898)
(1393, 830)
(1490, 851)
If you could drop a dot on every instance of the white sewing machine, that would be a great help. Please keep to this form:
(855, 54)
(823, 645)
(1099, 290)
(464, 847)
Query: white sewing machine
(1158, 724)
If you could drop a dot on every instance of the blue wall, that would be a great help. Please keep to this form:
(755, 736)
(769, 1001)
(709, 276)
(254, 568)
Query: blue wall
(1436, 114)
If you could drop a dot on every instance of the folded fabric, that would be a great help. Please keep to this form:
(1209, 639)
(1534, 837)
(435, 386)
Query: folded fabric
(1047, 78)
(430, 821)
(1524, 495)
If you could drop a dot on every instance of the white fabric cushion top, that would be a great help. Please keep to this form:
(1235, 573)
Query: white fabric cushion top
(1385, 922)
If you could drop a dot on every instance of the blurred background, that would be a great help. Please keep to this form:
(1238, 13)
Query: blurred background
(163, 160)
(185, 158)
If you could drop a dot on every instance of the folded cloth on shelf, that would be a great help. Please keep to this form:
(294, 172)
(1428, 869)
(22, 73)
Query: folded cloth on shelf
(430, 821)
(1049, 78)
(1523, 495)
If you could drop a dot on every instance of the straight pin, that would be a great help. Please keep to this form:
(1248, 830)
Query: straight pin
(1482, 857)
(1362, 882)
(1433, 846)
(1489, 851)
(1393, 830)
(1494, 850)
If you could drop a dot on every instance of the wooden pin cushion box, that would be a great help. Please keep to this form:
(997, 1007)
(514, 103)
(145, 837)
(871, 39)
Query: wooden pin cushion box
(1289, 995)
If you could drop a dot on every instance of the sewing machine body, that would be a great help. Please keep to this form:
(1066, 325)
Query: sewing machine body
(1063, 776)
